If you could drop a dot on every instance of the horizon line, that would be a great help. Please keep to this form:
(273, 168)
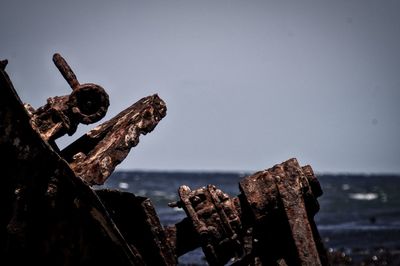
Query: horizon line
(220, 171)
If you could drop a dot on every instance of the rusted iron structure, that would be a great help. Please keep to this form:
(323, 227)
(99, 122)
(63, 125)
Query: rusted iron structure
(53, 216)
(269, 222)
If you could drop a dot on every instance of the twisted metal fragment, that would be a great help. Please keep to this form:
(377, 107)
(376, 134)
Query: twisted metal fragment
(94, 156)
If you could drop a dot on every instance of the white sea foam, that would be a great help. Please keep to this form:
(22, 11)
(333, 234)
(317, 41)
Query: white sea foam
(123, 185)
(363, 196)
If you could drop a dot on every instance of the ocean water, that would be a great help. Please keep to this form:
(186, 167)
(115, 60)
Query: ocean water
(357, 211)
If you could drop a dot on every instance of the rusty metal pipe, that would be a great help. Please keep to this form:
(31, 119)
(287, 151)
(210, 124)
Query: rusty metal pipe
(66, 71)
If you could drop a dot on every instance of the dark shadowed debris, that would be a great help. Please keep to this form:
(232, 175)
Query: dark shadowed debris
(50, 216)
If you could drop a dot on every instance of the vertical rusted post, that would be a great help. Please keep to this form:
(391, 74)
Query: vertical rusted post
(287, 177)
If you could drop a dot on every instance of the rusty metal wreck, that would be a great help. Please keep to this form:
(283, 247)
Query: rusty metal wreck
(53, 216)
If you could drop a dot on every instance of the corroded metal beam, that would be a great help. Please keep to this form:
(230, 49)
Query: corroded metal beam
(289, 179)
(94, 156)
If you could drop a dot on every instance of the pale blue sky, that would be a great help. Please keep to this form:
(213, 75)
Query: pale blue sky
(247, 83)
